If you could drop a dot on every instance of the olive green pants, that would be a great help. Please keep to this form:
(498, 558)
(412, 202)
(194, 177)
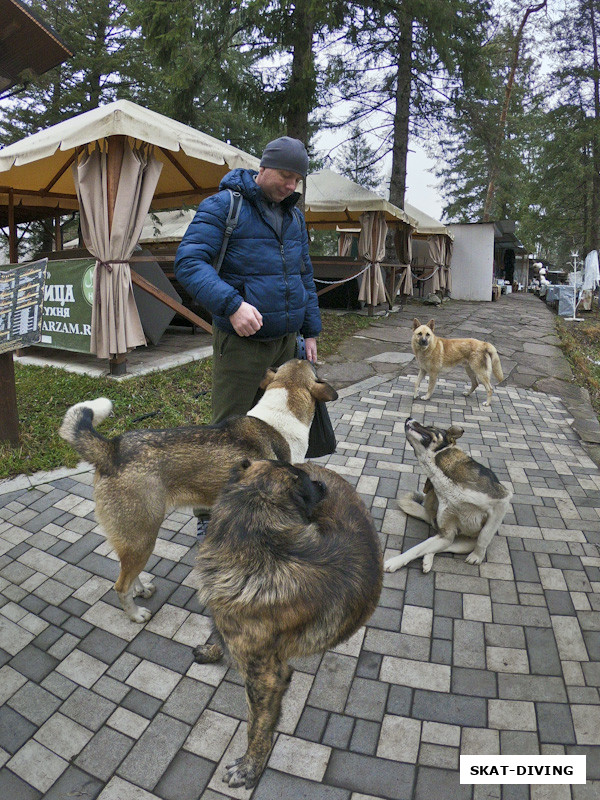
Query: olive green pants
(239, 365)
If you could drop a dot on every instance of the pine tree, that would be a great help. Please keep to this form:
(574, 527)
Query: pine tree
(357, 160)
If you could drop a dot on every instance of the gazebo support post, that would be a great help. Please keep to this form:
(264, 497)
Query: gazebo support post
(9, 416)
(117, 364)
(13, 244)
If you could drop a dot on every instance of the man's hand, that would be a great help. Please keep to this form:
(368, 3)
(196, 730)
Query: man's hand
(311, 350)
(246, 320)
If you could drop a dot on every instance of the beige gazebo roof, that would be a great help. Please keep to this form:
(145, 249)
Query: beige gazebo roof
(37, 168)
(427, 225)
(333, 200)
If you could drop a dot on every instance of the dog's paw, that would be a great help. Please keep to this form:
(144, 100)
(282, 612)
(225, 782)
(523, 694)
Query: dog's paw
(144, 590)
(207, 653)
(486, 403)
(475, 558)
(425, 397)
(393, 564)
(242, 772)
(427, 562)
(141, 615)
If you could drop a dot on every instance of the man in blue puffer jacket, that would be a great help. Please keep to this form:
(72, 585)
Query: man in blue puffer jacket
(264, 294)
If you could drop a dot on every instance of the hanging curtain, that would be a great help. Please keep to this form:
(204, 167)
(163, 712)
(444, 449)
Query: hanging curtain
(447, 263)
(344, 244)
(371, 247)
(436, 254)
(116, 326)
(403, 244)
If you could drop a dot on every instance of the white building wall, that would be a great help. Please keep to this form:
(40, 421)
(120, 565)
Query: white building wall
(472, 261)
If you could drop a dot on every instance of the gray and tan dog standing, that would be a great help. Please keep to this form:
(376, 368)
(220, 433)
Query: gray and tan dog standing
(140, 475)
(463, 500)
(435, 355)
(290, 566)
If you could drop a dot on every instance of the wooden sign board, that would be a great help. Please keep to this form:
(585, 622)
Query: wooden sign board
(21, 301)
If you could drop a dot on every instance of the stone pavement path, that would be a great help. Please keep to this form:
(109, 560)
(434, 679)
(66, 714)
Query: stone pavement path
(503, 658)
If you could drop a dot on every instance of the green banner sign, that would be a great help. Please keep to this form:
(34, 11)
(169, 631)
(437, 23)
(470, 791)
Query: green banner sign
(67, 317)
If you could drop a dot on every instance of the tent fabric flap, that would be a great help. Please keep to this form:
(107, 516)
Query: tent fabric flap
(371, 247)
(116, 326)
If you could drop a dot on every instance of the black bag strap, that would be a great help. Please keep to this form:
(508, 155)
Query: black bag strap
(235, 205)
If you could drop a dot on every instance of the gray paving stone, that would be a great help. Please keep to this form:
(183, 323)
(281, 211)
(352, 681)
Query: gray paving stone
(34, 663)
(367, 699)
(186, 777)
(519, 743)
(469, 650)
(230, 698)
(312, 724)
(74, 783)
(368, 665)
(141, 703)
(453, 709)
(34, 703)
(474, 682)
(542, 652)
(154, 751)
(162, 651)
(11, 786)
(370, 776)
(281, 785)
(104, 752)
(555, 724)
(338, 731)
(188, 700)
(439, 784)
(103, 645)
(531, 688)
(15, 730)
(111, 689)
(87, 708)
(365, 737)
(332, 682)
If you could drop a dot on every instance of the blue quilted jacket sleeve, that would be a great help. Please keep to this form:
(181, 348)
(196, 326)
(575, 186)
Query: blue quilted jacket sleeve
(196, 254)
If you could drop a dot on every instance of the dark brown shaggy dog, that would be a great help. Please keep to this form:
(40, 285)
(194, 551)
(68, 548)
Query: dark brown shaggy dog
(291, 565)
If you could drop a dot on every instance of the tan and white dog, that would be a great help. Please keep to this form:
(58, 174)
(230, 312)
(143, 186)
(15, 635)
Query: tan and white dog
(435, 355)
(140, 475)
(463, 500)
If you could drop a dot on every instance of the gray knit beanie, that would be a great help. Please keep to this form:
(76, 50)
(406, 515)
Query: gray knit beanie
(286, 153)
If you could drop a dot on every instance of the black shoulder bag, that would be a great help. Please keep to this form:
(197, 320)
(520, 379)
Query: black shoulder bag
(321, 437)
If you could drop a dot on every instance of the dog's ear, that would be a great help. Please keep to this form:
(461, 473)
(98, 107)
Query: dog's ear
(453, 433)
(323, 391)
(268, 378)
(236, 472)
(308, 493)
(416, 324)
(431, 324)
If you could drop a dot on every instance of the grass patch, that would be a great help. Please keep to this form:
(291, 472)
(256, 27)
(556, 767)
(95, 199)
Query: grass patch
(179, 396)
(580, 342)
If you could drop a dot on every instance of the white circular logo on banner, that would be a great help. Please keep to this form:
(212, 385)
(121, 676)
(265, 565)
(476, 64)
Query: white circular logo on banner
(87, 284)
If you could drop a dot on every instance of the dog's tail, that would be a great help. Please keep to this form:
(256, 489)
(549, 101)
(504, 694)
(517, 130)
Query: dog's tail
(496, 365)
(78, 429)
(412, 504)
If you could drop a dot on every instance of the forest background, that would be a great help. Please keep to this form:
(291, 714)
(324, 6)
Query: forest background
(504, 97)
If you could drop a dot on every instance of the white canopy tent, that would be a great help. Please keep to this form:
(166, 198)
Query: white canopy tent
(77, 164)
(432, 251)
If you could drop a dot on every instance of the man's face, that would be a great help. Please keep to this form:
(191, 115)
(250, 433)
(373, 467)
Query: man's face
(277, 184)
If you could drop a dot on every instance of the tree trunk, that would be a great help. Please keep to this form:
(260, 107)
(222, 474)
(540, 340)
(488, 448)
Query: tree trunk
(595, 210)
(402, 111)
(302, 85)
(495, 155)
